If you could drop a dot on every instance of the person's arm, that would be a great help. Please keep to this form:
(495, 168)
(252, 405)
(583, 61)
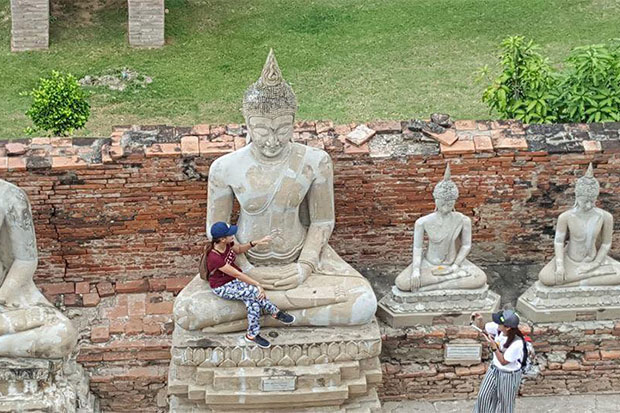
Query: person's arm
(510, 355)
(233, 272)
(242, 248)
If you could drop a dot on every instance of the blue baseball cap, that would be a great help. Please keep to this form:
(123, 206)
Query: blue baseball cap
(507, 317)
(221, 230)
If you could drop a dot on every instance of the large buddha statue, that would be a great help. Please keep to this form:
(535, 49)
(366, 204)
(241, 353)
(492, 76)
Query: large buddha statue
(444, 265)
(583, 259)
(29, 325)
(284, 189)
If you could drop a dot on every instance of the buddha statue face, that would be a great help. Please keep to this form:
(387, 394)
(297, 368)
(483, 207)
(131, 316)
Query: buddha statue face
(584, 203)
(444, 205)
(271, 135)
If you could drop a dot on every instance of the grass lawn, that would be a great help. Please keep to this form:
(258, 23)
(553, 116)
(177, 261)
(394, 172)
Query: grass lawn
(346, 60)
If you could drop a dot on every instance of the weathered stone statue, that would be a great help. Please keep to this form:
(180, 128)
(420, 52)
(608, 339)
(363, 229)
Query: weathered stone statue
(284, 189)
(35, 338)
(29, 325)
(581, 277)
(582, 242)
(444, 266)
(442, 269)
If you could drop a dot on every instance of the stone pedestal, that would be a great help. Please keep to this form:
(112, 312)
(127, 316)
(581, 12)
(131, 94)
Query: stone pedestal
(404, 309)
(327, 369)
(44, 385)
(29, 25)
(544, 304)
(146, 23)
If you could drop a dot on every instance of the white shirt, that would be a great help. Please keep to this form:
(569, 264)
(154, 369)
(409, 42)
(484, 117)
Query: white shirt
(513, 354)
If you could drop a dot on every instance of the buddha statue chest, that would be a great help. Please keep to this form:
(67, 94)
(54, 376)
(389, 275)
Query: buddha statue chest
(583, 233)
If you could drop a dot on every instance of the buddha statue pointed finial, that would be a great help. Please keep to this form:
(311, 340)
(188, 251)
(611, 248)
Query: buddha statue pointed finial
(270, 94)
(587, 186)
(446, 189)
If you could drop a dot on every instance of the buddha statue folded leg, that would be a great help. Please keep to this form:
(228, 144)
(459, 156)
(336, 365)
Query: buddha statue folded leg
(582, 274)
(433, 277)
(320, 301)
(38, 331)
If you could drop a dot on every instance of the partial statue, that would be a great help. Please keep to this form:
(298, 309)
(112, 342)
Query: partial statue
(29, 325)
(582, 242)
(444, 265)
(284, 189)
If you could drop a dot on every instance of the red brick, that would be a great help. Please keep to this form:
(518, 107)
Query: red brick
(592, 355)
(592, 147)
(177, 284)
(571, 365)
(117, 326)
(610, 354)
(465, 124)
(82, 287)
(58, 288)
(447, 138)
(105, 289)
(133, 326)
(478, 369)
(201, 129)
(519, 144)
(68, 163)
(71, 300)
(189, 146)
(386, 126)
(157, 284)
(16, 163)
(164, 307)
(208, 148)
(458, 147)
(351, 149)
(3, 163)
(91, 299)
(151, 329)
(99, 334)
(483, 143)
(324, 126)
(154, 355)
(134, 286)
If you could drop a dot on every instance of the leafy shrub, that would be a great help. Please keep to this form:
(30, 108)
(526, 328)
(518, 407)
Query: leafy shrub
(529, 89)
(59, 105)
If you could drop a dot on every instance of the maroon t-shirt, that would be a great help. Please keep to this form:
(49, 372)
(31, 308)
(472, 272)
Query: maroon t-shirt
(216, 260)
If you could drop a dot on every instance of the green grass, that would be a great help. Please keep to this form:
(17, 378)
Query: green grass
(346, 60)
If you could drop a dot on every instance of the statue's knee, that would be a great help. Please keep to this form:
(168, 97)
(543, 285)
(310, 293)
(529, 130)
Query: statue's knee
(403, 282)
(364, 307)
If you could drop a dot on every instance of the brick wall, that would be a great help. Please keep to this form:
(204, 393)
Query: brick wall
(120, 220)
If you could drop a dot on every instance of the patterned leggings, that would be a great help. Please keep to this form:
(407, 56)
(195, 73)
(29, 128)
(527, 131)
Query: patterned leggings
(498, 391)
(238, 290)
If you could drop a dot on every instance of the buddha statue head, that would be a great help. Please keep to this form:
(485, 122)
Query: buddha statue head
(445, 193)
(269, 107)
(586, 191)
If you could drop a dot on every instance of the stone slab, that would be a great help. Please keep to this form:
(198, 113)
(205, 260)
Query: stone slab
(406, 309)
(306, 369)
(555, 304)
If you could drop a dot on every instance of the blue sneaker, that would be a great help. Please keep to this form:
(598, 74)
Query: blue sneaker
(258, 340)
(285, 318)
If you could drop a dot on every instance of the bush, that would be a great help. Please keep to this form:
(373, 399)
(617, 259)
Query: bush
(60, 105)
(528, 89)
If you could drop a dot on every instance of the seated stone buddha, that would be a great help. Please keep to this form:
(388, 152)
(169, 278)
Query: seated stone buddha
(583, 259)
(29, 325)
(284, 189)
(444, 265)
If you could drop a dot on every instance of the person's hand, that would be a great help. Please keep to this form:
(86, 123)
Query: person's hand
(261, 292)
(415, 279)
(560, 274)
(263, 241)
(292, 281)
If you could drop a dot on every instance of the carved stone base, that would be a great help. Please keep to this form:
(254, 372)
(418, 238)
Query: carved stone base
(404, 309)
(552, 304)
(42, 385)
(327, 369)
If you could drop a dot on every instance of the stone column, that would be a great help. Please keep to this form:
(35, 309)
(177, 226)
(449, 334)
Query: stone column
(30, 24)
(146, 23)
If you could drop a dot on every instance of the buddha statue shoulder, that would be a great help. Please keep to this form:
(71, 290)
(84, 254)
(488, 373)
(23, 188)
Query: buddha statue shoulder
(284, 189)
(30, 326)
(582, 242)
(444, 264)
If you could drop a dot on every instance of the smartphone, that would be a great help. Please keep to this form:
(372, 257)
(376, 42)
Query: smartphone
(478, 328)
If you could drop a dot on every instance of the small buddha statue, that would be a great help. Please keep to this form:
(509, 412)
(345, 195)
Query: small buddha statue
(29, 325)
(582, 241)
(444, 265)
(284, 189)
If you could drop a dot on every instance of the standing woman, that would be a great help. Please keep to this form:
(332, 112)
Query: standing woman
(500, 385)
(229, 282)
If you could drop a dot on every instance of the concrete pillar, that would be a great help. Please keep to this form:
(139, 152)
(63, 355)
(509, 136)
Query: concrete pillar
(146, 23)
(30, 24)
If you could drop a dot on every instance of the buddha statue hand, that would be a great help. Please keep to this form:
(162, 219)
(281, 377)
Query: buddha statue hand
(416, 283)
(589, 267)
(284, 277)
